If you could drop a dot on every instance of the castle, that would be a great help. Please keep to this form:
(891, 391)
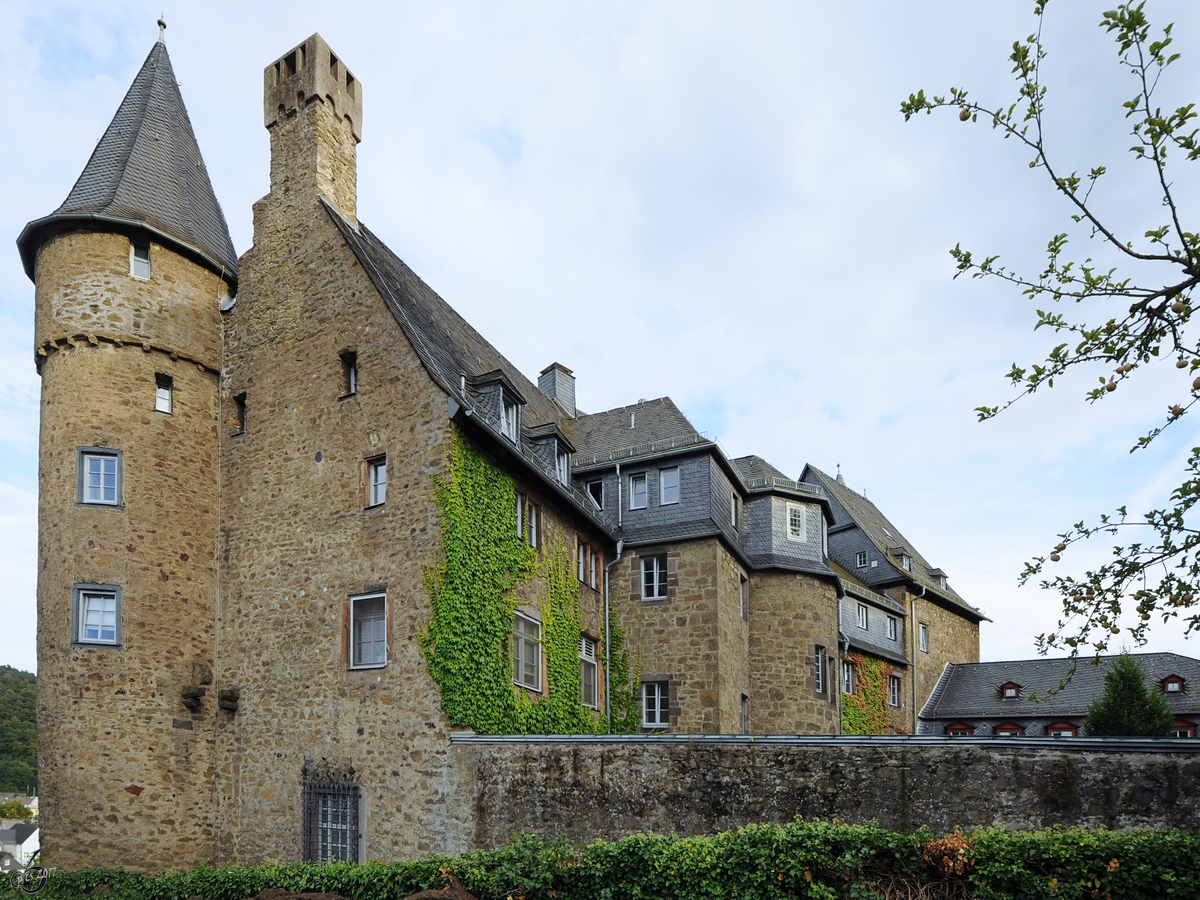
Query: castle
(299, 521)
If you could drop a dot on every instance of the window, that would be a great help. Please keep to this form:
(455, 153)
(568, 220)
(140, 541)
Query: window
(959, 729)
(593, 563)
(99, 476)
(860, 559)
(520, 515)
(581, 560)
(745, 714)
(376, 481)
(668, 486)
(587, 671)
(527, 660)
(1010, 691)
(654, 577)
(1173, 684)
(906, 562)
(531, 524)
(368, 631)
(819, 669)
(891, 628)
(654, 704)
(163, 393)
(924, 637)
(239, 406)
(863, 619)
(1183, 729)
(509, 425)
(139, 260)
(1008, 729)
(349, 373)
(1061, 729)
(734, 511)
(894, 690)
(796, 530)
(97, 614)
(847, 677)
(330, 810)
(564, 467)
(743, 596)
(595, 490)
(637, 491)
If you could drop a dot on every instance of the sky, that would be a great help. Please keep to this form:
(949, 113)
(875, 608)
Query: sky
(719, 202)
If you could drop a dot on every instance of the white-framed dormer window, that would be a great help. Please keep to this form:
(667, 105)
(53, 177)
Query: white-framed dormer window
(587, 672)
(668, 486)
(796, 522)
(368, 631)
(527, 653)
(860, 559)
(139, 260)
(509, 425)
(906, 562)
(164, 393)
(862, 615)
(891, 628)
(637, 491)
(923, 633)
(564, 467)
(376, 480)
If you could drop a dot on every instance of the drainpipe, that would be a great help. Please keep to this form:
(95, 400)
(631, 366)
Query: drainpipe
(913, 627)
(607, 633)
(619, 504)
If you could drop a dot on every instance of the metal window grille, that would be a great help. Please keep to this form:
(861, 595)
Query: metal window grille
(330, 813)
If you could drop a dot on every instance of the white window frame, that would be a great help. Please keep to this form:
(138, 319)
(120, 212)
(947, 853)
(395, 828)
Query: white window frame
(379, 628)
(743, 596)
(164, 393)
(847, 677)
(377, 481)
(83, 484)
(137, 262)
(349, 372)
(819, 669)
(1011, 731)
(664, 488)
(564, 467)
(864, 616)
(734, 502)
(792, 533)
(660, 693)
(592, 567)
(1188, 732)
(657, 563)
(527, 652)
(892, 630)
(531, 524)
(894, 691)
(1172, 686)
(587, 664)
(906, 562)
(104, 594)
(745, 713)
(597, 502)
(580, 556)
(923, 635)
(1064, 732)
(1011, 692)
(510, 420)
(520, 503)
(636, 481)
(860, 559)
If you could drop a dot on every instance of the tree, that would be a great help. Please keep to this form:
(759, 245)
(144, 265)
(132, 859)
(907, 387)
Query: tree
(15, 809)
(1127, 708)
(1155, 564)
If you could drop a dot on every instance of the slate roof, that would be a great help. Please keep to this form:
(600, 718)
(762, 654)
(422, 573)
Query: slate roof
(657, 425)
(886, 538)
(756, 467)
(19, 833)
(972, 690)
(146, 172)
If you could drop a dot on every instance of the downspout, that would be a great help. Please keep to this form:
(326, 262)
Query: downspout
(607, 634)
(913, 626)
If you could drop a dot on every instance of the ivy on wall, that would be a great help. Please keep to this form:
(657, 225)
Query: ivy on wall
(473, 597)
(866, 710)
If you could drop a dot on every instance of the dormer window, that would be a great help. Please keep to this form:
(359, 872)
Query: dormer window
(1010, 690)
(1010, 729)
(1173, 684)
(906, 562)
(564, 467)
(509, 423)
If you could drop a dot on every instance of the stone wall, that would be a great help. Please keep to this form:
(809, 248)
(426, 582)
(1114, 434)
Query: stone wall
(613, 787)
(952, 639)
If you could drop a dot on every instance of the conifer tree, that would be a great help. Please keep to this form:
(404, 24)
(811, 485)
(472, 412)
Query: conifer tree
(1127, 708)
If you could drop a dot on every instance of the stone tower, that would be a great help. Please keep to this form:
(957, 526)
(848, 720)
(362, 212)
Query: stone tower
(130, 272)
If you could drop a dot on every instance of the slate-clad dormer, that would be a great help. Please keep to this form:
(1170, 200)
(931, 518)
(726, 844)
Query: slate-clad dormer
(502, 400)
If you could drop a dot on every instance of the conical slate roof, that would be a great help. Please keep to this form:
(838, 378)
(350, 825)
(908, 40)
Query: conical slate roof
(147, 173)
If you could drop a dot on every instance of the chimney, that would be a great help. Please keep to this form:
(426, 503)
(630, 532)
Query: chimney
(312, 106)
(557, 383)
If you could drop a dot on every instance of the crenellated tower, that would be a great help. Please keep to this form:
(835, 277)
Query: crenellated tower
(130, 273)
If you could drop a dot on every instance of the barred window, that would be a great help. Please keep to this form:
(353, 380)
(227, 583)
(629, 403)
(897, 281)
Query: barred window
(330, 811)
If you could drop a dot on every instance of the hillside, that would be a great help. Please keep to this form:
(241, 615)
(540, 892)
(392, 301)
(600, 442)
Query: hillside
(18, 731)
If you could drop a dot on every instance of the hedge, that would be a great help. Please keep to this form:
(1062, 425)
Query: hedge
(803, 859)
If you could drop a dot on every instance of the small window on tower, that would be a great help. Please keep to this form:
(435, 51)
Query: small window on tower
(239, 405)
(163, 393)
(140, 260)
(349, 373)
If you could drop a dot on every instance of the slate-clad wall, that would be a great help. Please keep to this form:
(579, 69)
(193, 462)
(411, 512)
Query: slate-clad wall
(693, 491)
(722, 497)
(757, 515)
(613, 789)
(808, 550)
(844, 547)
(876, 631)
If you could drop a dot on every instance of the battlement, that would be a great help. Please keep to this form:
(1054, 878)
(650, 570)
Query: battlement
(311, 70)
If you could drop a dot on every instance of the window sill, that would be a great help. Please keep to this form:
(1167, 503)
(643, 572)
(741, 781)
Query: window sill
(528, 687)
(375, 506)
(669, 503)
(98, 645)
(139, 278)
(381, 665)
(99, 504)
(351, 396)
(655, 599)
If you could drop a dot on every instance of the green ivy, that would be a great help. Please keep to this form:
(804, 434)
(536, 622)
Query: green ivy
(473, 597)
(866, 710)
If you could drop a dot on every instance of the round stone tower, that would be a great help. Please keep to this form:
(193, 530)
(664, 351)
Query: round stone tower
(130, 272)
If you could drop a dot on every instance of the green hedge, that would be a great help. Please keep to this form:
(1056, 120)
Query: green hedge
(803, 859)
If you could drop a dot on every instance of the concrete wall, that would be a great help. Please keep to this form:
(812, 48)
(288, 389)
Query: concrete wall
(610, 788)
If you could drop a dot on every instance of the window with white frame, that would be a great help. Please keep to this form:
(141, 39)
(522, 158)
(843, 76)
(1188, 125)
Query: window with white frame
(376, 481)
(735, 503)
(139, 260)
(587, 671)
(97, 614)
(860, 559)
(593, 565)
(527, 659)
(368, 631)
(520, 515)
(349, 373)
(564, 467)
(745, 714)
(164, 400)
(99, 478)
(923, 637)
(654, 577)
(796, 525)
(595, 490)
(1009, 729)
(637, 491)
(1062, 729)
(668, 486)
(532, 515)
(894, 690)
(330, 808)
(906, 562)
(509, 425)
(581, 560)
(891, 628)
(847, 677)
(743, 598)
(655, 697)
(1183, 730)
(863, 619)
(819, 669)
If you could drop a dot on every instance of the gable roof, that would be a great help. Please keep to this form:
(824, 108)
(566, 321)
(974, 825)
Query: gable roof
(972, 690)
(887, 538)
(657, 425)
(756, 467)
(146, 173)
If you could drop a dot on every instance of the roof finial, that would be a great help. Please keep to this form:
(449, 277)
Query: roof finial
(162, 27)
(840, 479)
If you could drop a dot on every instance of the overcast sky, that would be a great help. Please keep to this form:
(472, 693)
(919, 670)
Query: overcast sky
(716, 202)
